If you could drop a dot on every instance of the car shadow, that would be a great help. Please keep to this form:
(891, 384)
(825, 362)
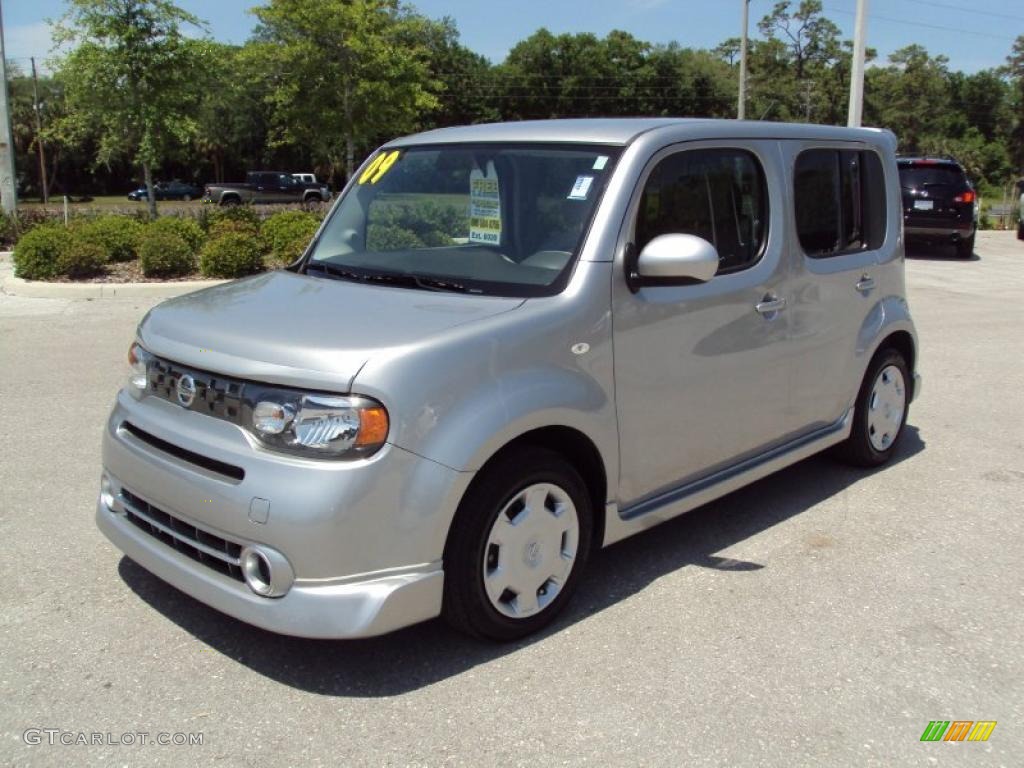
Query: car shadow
(941, 252)
(419, 656)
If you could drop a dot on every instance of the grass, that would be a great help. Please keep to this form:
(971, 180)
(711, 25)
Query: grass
(107, 204)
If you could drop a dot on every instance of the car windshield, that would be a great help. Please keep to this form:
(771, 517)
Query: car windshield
(504, 220)
(922, 176)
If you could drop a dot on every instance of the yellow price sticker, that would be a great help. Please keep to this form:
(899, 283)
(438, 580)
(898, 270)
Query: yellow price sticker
(381, 164)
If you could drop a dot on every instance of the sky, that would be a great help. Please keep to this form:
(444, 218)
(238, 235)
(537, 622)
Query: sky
(973, 34)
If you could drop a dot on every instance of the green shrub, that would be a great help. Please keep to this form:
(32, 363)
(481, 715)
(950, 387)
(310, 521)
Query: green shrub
(208, 217)
(8, 230)
(223, 227)
(39, 253)
(117, 236)
(232, 254)
(84, 257)
(163, 253)
(287, 234)
(187, 229)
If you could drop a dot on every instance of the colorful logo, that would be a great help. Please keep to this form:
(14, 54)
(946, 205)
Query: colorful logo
(958, 730)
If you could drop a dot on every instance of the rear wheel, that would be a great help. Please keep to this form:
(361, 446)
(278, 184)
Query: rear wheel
(517, 546)
(880, 412)
(230, 202)
(965, 248)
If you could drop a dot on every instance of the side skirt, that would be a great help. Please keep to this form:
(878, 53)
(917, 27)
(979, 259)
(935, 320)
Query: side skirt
(620, 524)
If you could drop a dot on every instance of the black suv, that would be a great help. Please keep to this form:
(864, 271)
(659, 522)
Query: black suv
(939, 203)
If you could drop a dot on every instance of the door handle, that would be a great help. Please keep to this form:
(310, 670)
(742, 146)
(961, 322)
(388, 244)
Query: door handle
(770, 304)
(866, 284)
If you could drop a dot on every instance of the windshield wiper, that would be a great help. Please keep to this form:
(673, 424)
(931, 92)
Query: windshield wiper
(403, 279)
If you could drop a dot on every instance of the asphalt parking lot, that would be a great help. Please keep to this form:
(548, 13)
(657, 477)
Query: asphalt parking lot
(822, 616)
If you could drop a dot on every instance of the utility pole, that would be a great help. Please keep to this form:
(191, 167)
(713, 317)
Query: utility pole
(741, 108)
(8, 193)
(857, 71)
(39, 132)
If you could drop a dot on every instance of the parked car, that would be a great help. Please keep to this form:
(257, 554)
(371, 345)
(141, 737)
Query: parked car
(267, 187)
(168, 190)
(511, 345)
(1020, 210)
(940, 206)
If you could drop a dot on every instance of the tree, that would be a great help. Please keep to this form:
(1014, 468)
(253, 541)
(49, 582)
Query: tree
(803, 46)
(133, 78)
(340, 73)
(910, 97)
(1015, 71)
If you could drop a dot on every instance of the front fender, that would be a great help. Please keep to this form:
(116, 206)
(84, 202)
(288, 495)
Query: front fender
(460, 397)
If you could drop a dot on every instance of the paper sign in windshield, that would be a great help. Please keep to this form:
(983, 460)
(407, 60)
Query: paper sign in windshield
(484, 207)
(581, 188)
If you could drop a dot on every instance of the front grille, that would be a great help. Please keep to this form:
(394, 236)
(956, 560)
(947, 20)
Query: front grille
(215, 395)
(222, 555)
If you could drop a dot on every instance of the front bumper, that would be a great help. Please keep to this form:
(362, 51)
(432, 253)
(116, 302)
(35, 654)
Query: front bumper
(372, 604)
(364, 540)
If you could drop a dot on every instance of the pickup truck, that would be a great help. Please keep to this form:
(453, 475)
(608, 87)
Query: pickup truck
(267, 187)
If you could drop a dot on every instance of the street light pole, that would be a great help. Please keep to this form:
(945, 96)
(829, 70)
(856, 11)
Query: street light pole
(8, 192)
(741, 108)
(857, 71)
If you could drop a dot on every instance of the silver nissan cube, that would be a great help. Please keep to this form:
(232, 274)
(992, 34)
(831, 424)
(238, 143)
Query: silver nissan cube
(507, 346)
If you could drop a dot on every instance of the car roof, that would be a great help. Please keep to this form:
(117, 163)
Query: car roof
(622, 130)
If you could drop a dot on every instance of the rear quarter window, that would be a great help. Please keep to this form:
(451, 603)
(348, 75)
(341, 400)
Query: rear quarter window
(839, 198)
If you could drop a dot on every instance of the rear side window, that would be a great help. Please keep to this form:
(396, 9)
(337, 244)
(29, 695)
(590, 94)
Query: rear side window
(717, 194)
(839, 197)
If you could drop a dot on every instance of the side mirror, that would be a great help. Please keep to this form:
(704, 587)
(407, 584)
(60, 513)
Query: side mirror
(673, 260)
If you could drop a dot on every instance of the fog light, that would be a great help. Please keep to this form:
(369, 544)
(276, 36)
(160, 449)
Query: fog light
(258, 573)
(106, 492)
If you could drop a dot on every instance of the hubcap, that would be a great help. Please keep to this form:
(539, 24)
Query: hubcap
(531, 550)
(886, 405)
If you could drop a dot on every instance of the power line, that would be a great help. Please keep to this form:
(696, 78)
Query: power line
(923, 25)
(973, 11)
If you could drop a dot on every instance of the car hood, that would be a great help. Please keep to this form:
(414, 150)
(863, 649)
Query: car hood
(297, 330)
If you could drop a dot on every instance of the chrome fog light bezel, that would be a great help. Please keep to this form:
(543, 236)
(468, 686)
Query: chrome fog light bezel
(266, 572)
(107, 497)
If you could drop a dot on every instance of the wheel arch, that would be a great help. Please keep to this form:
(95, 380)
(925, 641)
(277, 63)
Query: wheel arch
(575, 447)
(888, 326)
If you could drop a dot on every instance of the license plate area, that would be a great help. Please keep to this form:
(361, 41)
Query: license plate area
(924, 205)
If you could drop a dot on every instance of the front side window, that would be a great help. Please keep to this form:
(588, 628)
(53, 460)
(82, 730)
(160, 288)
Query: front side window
(839, 198)
(716, 194)
(495, 219)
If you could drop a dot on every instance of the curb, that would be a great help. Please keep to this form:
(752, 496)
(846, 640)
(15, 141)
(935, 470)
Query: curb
(35, 289)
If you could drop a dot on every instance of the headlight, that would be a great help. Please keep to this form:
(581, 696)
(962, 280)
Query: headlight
(138, 361)
(315, 425)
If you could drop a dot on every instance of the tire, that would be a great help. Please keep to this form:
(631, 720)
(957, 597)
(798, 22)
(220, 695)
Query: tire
(497, 532)
(229, 202)
(965, 248)
(311, 199)
(186, 198)
(1020, 230)
(878, 424)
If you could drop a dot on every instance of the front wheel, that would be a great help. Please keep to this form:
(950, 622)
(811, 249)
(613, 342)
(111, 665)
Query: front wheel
(880, 412)
(517, 546)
